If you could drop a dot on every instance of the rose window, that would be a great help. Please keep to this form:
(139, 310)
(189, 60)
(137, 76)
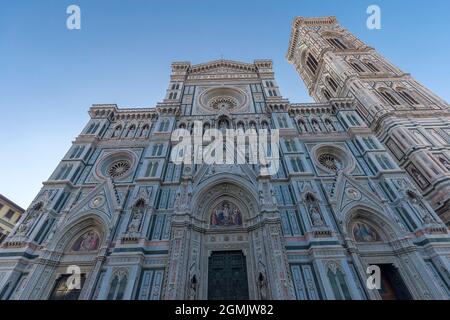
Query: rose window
(330, 161)
(119, 168)
(223, 102)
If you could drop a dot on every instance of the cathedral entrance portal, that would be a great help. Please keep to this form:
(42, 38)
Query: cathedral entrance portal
(227, 276)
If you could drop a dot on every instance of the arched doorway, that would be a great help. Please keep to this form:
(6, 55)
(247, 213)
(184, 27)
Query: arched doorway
(372, 237)
(79, 243)
(226, 232)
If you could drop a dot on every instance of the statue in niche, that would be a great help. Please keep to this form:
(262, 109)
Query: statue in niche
(262, 284)
(314, 210)
(137, 215)
(193, 287)
(261, 197)
(365, 233)
(444, 162)
(87, 242)
(226, 214)
(416, 174)
(316, 217)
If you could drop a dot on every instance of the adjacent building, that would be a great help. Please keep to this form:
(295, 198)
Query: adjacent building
(10, 213)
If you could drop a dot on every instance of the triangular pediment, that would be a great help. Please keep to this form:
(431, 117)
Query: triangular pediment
(349, 193)
(103, 198)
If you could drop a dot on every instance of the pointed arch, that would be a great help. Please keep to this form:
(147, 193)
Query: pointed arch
(387, 229)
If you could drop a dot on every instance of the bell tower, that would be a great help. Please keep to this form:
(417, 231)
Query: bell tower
(409, 119)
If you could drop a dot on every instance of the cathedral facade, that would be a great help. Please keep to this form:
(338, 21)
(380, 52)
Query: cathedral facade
(363, 180)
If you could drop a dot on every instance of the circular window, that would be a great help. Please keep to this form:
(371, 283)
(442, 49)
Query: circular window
(119, 168)
(332, 158)
(116, 165)
(330, 161)
(223, 98)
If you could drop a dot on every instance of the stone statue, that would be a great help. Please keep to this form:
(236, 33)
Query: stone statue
(445, 163)
(315, 217)
(262, 284)
(193, 287)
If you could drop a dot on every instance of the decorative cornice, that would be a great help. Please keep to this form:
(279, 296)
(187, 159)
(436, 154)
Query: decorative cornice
(310, 22)
(112, 112)
(242, 66)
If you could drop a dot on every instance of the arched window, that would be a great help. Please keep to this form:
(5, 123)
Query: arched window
(389, 98)
(407, 97)
(355, 65)
(332, 84)
(338, 284)
(302, 126)
(371, 66)
(353, 120)
(337, 43)
(329, 125)
(297, 164)
(164, 125)
(152, 169)
(118, 286)
(265, 126)
(91, 128)
(326, 94)
(131, 131)
(384, 162)
(316, 126)
(117, 131)
(145, 130)
(312, 63)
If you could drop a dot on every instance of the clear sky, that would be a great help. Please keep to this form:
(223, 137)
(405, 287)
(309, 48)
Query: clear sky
(49, 75)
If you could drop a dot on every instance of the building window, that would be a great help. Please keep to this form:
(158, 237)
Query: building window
(384, 162)
(302, 126)
(337, 281)
(145, 130)
(117, 131)
(92, 128)
(157, 150)
(333, 85)
(312, 63)
(77, 152)
(356, 66)
(9, 214)
(330, 161)
(389, 98)
(337, 43)
(407, 97)
(282, 122)
(64, 172)
(371, 66)
(370, 144)
(297, 164)
(326, 94)
(290, 146)
(353, 120)
(118, 286)
(152, 169)
(119, 168)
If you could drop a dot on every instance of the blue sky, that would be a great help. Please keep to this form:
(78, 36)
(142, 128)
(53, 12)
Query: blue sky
(49, 75)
